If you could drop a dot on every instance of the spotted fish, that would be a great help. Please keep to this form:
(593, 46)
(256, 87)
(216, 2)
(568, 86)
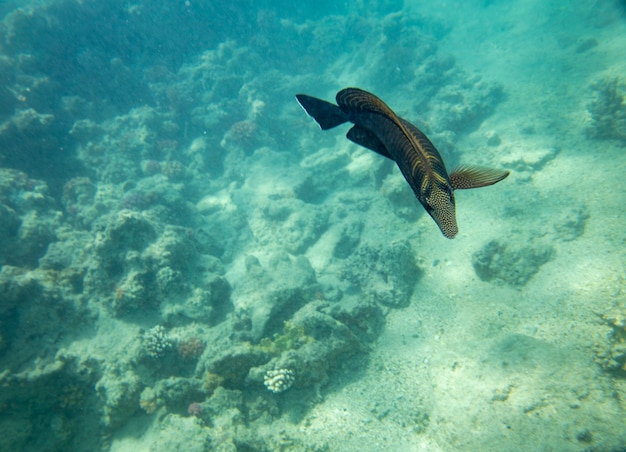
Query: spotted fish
(378, 128)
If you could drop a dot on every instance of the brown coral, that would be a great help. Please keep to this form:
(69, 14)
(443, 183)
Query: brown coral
(173, 170)
(212, 382)
(191, 348)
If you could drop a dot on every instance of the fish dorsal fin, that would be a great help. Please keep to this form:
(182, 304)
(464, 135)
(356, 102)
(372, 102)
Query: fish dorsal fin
(358, 100)
(465, 177)
(367, 139)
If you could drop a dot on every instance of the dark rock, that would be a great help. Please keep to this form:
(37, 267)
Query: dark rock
(509, 264)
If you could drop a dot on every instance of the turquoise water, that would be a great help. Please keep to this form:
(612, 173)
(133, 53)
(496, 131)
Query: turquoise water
(189, 263)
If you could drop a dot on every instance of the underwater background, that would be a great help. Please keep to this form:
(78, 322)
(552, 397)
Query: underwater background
(189, 263)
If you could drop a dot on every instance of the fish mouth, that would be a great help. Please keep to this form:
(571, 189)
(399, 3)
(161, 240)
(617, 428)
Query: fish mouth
(446, 220)
(440, 206)
(449, 230)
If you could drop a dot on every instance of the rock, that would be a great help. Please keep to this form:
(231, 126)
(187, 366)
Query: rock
(206, 304)
(608, 109)
(571, 223)
(28, 219)
(529, 159)
(510, 264)
(349, 238)
(234, 363)
(271, 294)
(385, 274)
(177, 393)
(365, 319)
(119, 389)
(186, 433)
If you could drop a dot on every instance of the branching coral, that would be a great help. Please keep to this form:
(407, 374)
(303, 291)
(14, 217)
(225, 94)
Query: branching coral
(278, 380)
(156, 341)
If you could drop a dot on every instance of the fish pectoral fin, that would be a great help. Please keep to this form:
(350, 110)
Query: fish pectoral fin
(367, 139)
(327, 115)
(465, 177)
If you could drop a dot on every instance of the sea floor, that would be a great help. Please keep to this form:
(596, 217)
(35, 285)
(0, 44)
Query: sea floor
(186, 272)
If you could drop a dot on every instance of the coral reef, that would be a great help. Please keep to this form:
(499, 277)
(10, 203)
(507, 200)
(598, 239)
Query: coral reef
(52, 399)
(155, 209)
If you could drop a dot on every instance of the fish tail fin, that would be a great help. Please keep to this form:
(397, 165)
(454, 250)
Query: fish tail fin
(465, 177)
(327, 115)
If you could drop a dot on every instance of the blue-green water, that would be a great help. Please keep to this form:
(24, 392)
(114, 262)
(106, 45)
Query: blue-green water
(189, 263)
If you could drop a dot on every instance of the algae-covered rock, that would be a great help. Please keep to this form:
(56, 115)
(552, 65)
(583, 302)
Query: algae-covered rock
(234, 363)
(179, 433)
(215, 425)
(270, 294)
(69, 254)
(364, 319)
(531, 160)
(155, 265)
(226, 404)
(302, 228)
(36, 311)
(610, 354)
(128, 231)
(177, 392)
(463, 106)
(512, 265)
(28, 219)
(15, 433)
(119, 389)
(33, 134)
(384, 274)
(349, 238)
(49, 406)
(608, 109)
(327, 342)
(206, 304)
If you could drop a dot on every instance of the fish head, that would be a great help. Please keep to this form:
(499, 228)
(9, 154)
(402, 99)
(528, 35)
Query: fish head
(439, 204)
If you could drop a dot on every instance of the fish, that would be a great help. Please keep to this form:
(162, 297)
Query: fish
(378, 128)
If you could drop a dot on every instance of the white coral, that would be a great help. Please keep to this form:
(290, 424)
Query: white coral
(278, 380)
(156, 341)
